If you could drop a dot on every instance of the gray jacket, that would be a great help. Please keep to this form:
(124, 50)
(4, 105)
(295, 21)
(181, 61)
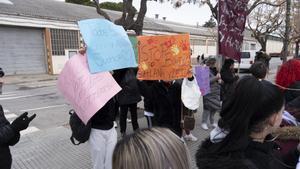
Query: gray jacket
(211, 101)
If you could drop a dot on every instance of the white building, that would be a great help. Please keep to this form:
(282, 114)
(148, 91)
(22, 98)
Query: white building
(36, 34)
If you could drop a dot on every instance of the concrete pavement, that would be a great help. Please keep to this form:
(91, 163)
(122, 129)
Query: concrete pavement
(52, 149)
(46, 145)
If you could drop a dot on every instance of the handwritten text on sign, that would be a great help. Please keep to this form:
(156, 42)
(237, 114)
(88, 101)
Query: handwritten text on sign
(164, 57)
(108, 45)
(202, 76)
(231, 27)
(87, 93)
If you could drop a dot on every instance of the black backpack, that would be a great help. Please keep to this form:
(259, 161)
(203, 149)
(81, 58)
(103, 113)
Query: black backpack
(80, 131)
(1, 72)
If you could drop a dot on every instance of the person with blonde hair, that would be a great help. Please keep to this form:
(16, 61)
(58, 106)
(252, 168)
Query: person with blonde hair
(154, 148)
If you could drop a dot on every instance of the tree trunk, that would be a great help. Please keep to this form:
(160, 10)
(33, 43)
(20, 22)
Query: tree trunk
(139, 23)
(297, 49)
(263, 42)
(264, 46)
(100, 11)
(287, 31)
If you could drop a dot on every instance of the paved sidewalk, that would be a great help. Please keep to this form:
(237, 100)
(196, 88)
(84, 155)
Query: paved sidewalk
(52, 149)
(19, 79)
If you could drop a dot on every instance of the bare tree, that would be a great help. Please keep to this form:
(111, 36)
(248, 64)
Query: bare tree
(295, 26)
(263, 21)
(127, 19)
(290, 30)
(213, 5)
(286, 40)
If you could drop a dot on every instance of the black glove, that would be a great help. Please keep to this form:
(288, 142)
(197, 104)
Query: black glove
(22, 122)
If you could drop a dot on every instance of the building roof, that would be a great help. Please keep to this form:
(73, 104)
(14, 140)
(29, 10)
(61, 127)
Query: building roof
(57, 10)
(68, 12)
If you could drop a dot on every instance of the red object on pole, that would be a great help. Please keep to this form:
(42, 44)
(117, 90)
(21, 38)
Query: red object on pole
(232, 19)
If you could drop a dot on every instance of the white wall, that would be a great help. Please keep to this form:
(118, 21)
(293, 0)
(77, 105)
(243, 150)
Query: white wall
(274, 46)
(206, 50)
(58, 63)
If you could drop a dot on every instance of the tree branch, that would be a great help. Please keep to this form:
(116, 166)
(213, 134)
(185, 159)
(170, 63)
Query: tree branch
(139, 23)
(100, 11)
(259, 2)
(121, 20)
(129, 22)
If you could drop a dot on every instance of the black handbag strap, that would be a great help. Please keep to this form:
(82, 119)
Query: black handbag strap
(73, 141)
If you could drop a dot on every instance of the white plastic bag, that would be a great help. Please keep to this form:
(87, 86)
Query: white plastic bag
(190, 94)
(298, 164)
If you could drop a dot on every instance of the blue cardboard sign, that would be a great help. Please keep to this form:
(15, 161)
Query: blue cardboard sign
(108, 45)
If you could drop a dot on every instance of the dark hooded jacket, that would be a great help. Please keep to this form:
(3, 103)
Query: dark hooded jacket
(229, 80)
(166, 104)
(127, 80)
(254, 155)
(8, 137)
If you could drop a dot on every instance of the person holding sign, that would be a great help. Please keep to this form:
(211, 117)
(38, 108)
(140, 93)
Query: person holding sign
(166, 102)
(103, 137)
(128, 97)
(211, 101)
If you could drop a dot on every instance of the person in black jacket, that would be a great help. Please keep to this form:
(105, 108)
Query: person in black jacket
(1, 79)
(10, 135)
(128, 97)
(103, 137)
(229, 79)
(242, 139)
(148, 107)
(166, 101)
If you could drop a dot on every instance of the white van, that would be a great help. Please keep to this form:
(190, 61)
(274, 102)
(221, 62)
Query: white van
(247, 59)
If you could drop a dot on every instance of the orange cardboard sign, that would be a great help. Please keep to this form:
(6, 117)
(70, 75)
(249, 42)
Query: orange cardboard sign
(164, 57)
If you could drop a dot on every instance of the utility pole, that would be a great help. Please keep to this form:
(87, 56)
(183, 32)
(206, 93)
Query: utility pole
(287, 31)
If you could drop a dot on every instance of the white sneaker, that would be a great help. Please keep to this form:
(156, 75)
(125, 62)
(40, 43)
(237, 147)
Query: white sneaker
(182, 139)
(115, 124)
(128, 120)
(215, 125)
(204, 126)
(190, 137)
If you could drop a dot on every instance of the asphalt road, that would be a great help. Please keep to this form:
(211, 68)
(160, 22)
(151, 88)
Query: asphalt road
(44, 99)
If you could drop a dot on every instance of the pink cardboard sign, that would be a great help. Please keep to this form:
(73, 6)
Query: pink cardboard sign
(86, 92)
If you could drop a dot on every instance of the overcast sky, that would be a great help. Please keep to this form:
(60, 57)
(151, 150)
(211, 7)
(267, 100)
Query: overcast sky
(188, 13)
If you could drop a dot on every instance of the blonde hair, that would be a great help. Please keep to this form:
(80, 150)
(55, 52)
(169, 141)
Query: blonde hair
(155, 148)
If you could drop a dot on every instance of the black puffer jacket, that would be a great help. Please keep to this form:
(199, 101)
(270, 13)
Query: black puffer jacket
(148, 105)
(8, 137)
(206, 158)
(229, 83)
(254, 156)
(166, 101)
(130, 93)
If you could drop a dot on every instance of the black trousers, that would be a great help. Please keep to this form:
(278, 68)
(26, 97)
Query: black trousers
(123, 116)
(116, 110)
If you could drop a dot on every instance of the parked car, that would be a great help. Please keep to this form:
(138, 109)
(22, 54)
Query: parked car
(247, 59)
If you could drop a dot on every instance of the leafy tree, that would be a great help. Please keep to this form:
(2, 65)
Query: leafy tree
(210, 23)
(127, 19)
(81, 2)
(113, 6)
